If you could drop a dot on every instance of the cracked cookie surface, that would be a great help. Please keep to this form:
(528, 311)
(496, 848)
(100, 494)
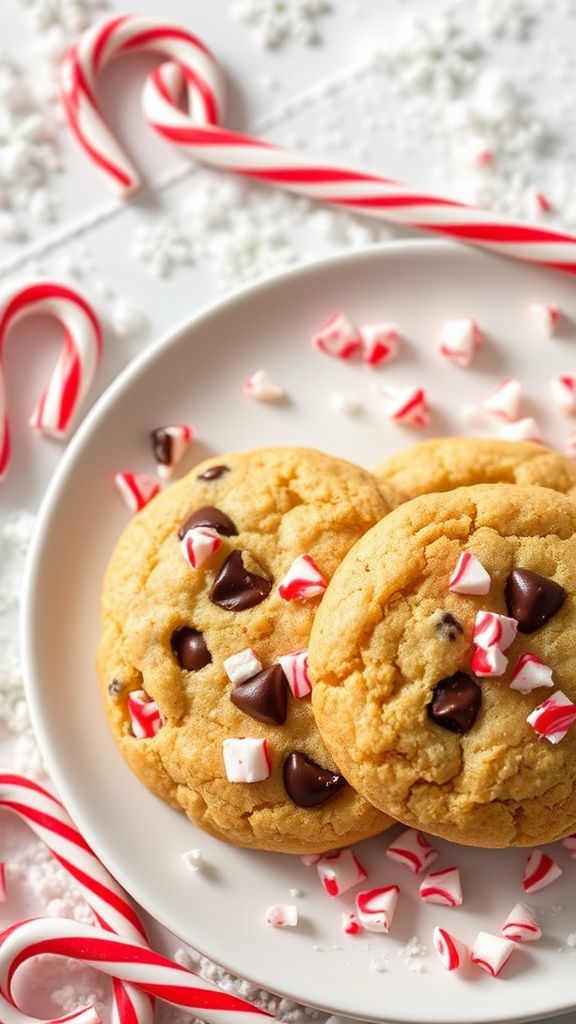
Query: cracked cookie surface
(164, 632)
(389, 631)
(443, 463)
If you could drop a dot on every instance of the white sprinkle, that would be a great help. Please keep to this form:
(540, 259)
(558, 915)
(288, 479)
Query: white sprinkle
(193, 859)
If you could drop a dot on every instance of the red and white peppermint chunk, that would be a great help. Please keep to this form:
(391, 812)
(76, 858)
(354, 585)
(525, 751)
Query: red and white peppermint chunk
(281, 915)
(413, 849)
(351, 925)
(493, 630)
(563, 390)
(340, 871)
(337, 337)
(145, 717)
(554, 718)
(242, 666)
(405, 405)
(169, 445)
(469, 576)
(520, 430)
(136, 489)
(504, 401)
(545, 316)
(295, 668)
(302, 581)
(376, 907)
(491, 952)
(452, 953)
(489, 663)
(520, 926)
(540, 871)
(443, 887)
(570, 844)
(379, 343)
(246, 759)
(262, 388)
(310, 859)
(530, 673)
(199, 544)
(459, 340)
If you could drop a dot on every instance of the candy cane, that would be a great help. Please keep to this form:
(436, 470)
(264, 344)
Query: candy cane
(76, 366)
(48, 819)
(132, 962)
(190, 67)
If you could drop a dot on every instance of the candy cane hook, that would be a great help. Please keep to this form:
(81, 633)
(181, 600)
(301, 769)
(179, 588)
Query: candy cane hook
(188, 66)
(130, 961)
(47, 817)
(76, 365)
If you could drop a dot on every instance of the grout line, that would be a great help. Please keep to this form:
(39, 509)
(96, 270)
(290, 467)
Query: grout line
(315, 94)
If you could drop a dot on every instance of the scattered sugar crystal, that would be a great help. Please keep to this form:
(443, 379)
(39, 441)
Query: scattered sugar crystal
(571, 940)
(126, 319)
(274, 22)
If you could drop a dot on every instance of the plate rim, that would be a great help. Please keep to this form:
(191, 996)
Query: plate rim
(152, 351)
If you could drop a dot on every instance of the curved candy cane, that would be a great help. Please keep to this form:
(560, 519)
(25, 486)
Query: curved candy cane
(132, 962)
(47, 818)
(77, 363)
(189, 67)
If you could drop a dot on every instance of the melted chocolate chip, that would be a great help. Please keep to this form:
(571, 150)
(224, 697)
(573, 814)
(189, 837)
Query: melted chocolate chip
(235, 588)
(264, 696)
(307, 784)
(213, 473)
(455, 703)
(448, 627)
(532, 599)
(209, 516)
(115, 688)
(161, 446)
(190, 650)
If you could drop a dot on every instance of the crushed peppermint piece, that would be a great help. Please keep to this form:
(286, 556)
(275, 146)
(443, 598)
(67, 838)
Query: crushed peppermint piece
(337, 337)
(491, 952)
(413, 849)
(340, 871)
(469, 576)
(529, 673)
(260, 387)
(443, 887)
(563, 390)
(520, 430)
(281, 915)
(452, 953)
(505, 400)
(246, 759)
(136, 489)
(145, 717)
(489, 663)
(405, 404)
(545, 316)
(193, 859)
(199, 544)
(520, 925)
(379, 343)
(302, 580)
(459, 340)
(494, 630)
(295, 668)
(242, 666)
(540, 871)
(554, 718)
(376, 907)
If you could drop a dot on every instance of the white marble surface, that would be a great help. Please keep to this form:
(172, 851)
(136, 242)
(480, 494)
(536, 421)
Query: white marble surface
(410, 103)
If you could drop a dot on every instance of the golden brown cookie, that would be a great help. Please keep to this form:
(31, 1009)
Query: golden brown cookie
(417, 730)
(168, 629)
(443, 463)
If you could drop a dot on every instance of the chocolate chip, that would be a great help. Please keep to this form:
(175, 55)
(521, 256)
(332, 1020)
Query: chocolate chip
(213, 473)
(532, 599)
(190, 650)
(209, 516)
(161, 446)
(307, 784)
(455, 703)
(264, 696)
(448, 627)
(115, 688)
(235, 588)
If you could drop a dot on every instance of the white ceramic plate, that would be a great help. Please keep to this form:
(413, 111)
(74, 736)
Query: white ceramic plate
(196, 374)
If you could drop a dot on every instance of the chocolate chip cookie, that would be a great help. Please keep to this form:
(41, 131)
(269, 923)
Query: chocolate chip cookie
(443, 663)
(444, 463)
(207, 608)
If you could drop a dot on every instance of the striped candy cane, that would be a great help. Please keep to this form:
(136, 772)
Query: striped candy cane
(47, 818)
(132, 962)
(190, 69)
(77, 363)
